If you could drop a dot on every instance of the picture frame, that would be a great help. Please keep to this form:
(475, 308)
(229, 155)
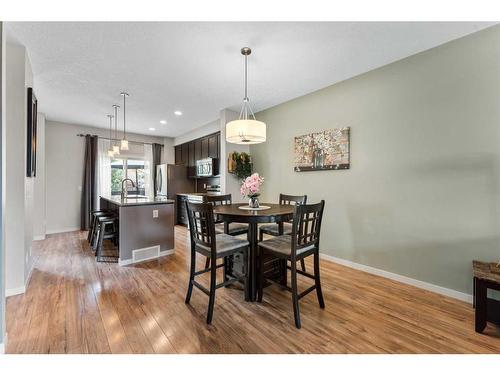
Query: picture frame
(31, 145)
(323, 150)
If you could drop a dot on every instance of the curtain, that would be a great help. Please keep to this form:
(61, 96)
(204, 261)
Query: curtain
(89, 185)
(103, 168)
(148, 174)
(156, 161)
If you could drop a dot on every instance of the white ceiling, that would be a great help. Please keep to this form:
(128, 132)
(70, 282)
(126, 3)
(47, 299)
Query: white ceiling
(80, 68)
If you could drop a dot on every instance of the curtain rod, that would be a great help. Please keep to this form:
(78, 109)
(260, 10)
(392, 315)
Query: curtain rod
(118, 140)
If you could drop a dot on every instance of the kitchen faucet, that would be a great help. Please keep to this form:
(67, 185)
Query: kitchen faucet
(124, 188)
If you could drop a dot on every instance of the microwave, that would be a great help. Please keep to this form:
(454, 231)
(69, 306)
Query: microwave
(206, 167)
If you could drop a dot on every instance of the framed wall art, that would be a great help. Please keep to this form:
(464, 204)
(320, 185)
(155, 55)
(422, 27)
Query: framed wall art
(324, 150)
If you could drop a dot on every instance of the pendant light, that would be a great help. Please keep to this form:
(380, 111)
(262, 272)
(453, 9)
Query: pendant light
(124, 142)
(246, 130)
(116, 148)
(111, 153)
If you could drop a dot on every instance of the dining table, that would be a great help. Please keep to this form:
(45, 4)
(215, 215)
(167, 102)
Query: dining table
(266, 213)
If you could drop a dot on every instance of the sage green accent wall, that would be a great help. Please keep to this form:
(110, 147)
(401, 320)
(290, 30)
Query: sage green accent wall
(422, 196)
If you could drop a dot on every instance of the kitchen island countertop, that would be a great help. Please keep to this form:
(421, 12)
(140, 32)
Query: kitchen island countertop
(136, 201)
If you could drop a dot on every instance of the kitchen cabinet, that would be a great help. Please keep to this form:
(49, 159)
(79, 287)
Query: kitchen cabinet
(213, 146)
(178, 155)
(205, 147)
(197, 150)
(185, 153)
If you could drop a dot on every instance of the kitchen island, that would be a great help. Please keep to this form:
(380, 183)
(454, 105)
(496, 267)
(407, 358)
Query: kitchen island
(146, 227)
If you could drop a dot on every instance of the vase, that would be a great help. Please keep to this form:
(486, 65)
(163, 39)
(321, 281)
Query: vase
(253, 202)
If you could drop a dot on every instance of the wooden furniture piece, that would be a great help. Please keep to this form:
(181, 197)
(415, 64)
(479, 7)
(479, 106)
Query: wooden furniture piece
(303, 242)
(275, 214)
(284, 227)
(92, 234)
(487, 309)
(201, 148)
(206, 242)
(233, 229)
(108, 230)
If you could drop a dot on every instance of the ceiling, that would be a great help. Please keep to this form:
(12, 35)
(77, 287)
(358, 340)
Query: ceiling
(196, 67)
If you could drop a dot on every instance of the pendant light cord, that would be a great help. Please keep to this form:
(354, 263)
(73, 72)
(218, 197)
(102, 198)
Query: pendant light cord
(124, 132)
(116, 121)
(246, 79)
(110, 125)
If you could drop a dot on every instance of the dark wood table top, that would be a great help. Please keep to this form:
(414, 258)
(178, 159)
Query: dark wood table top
(277, 212)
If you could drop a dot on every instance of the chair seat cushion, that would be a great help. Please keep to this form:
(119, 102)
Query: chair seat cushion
(282, 245)
(226, 243)
(273, 229)
(233, 228)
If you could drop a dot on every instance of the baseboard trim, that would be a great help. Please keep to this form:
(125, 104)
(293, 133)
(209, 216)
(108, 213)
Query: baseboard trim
(127, 262)
(15, 291)
(403, 279)
(40, 237)
(62, 230)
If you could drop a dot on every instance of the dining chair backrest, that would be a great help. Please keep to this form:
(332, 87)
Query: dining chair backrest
(306, 226)
(201, 224)
(293, 199)
(218, 200)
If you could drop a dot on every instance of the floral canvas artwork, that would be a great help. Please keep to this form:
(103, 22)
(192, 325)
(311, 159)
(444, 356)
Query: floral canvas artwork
(325, 150)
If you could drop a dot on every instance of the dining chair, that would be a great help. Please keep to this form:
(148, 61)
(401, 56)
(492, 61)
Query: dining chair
(205, 241)
(233, 229)
(303, 242)
(273, 228)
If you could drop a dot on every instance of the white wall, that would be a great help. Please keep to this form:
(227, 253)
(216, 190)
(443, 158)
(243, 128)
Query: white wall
(64, 153)
(39, 187)
(210, 128)
(19, 188)
(422, 197)
(168, 151)
(2, 186)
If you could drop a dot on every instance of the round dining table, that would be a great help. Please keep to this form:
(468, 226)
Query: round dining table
(233, 213)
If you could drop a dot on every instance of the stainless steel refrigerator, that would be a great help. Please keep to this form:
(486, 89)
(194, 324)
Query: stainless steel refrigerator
(173, 179)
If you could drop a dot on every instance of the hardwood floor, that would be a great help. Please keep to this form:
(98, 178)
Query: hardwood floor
(75, 305)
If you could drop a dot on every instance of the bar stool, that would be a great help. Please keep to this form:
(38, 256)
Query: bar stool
(108, 230)
(93, 224)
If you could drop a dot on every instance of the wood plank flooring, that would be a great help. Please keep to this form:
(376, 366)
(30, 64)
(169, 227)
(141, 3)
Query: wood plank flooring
(75, 305)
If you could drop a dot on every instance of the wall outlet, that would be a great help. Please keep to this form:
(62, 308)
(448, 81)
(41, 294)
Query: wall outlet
(155, 214)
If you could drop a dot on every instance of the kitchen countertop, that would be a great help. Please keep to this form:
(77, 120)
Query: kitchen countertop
(198, 194)
(137, 201)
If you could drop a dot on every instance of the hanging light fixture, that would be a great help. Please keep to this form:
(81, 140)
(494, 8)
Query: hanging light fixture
(111, 153)
(246, 130)
(116, 148)
(124, 142)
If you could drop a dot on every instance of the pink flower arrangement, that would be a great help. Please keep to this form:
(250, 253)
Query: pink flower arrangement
(251, 185)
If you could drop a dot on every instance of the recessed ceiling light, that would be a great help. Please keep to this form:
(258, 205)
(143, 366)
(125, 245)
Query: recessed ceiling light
(152, 129)
(163, 122)
(178, 113)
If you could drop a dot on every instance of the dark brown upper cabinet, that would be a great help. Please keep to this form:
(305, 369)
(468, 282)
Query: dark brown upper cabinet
(213, 146)
(197, 149)
(178, 155)
(192, 158)
(205, 147)
(185, 154)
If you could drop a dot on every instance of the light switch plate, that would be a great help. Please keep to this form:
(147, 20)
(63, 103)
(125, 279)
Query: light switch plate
(155, 214)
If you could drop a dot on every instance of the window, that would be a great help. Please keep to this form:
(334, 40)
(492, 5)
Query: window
(133, 169)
